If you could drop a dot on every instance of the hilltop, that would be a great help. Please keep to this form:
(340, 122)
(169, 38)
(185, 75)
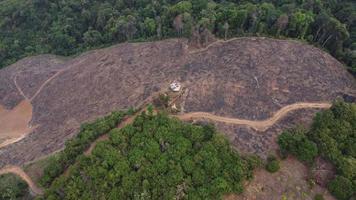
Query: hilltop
(246, 78)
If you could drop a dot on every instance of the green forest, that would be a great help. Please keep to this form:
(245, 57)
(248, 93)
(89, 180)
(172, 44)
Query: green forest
(157, 157)
(13, 187)
(69, 27)
(333, 136)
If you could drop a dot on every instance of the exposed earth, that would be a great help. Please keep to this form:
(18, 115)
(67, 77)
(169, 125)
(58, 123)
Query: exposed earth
(246, 78)
(290, 182)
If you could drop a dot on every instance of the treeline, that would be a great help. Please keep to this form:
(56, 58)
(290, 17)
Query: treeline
(76, 146)
(13, 187)
(68, 27)
(157, 157)
(333, 136)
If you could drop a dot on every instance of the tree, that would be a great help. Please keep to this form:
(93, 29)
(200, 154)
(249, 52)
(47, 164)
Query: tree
(150, 26)
(272, 164)
(341, 188)
(296, 143)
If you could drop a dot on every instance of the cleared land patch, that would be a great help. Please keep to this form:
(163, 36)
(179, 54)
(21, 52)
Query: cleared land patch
(14, 124)
(247, 78)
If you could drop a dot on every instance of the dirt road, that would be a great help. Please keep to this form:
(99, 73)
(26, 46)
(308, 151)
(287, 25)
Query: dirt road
(19, 172)
(104, 137)
(257, 125)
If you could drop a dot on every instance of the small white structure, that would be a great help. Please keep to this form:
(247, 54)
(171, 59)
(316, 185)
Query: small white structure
(175, 86)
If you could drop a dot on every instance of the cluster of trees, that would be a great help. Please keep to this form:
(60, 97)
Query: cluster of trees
(12, 187)
(67, 27)
(272, 164)
(75, 147)
(157, 157)
(333, 136)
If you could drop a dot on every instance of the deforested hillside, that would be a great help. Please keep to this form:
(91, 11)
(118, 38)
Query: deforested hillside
(246, 78)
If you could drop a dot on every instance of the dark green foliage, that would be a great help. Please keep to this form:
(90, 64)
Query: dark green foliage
(334, 133)
(156, 157)
(77, 145)
(68, 27)
(341, 188)
(272, 164)
(12, 187)
(295, 141)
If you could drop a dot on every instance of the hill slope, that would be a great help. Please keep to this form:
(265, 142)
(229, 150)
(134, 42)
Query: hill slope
(247, 78)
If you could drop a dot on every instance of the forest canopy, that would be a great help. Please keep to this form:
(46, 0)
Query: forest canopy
(68, 27)
(157, 157)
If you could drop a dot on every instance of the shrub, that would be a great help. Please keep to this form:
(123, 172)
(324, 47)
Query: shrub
(295, 142)
(318, 197)
(12, 187)
(341, 188)
(272, 164)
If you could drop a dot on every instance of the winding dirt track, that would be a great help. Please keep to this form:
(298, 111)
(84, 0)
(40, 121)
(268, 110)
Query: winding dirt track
(261, 125)
(19, 172)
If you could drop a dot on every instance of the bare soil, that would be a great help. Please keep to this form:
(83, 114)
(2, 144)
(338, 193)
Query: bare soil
(247, 78)
(14, 124)
(290, 182)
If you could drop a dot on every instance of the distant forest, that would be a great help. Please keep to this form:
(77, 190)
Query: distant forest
(68, 27)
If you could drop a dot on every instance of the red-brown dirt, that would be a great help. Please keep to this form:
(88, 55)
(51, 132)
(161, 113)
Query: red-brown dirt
(14, 124)
(290, 182)
(247, 78)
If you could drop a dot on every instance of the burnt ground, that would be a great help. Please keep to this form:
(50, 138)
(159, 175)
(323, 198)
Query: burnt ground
(248, 78)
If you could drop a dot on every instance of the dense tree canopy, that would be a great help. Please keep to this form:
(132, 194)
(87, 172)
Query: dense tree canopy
(70, 26)
(333, 135)
(12, 187)
(157, 157)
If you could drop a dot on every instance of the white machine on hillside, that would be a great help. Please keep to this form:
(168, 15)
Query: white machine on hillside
(175, 86)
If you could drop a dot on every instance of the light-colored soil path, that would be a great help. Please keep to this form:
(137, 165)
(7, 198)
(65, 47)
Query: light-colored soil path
(19, 88)
(221, 41)
(125, 122)
(261, 125)
(19, 172)
(52, 77)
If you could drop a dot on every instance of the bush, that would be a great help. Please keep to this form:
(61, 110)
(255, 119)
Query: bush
(341, 188)
(12, 187)
(296, 142)
(318, 197)
(272, 164)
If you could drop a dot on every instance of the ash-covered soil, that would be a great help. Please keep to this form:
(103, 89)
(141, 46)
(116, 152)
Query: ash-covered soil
(248, 78)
